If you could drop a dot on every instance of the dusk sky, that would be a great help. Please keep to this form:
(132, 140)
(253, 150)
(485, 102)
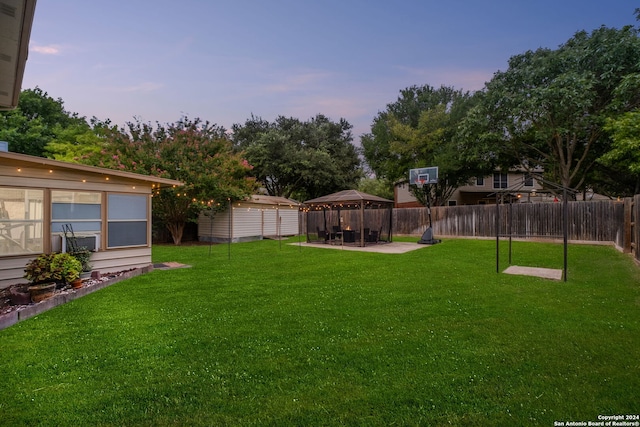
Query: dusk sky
(224, 60)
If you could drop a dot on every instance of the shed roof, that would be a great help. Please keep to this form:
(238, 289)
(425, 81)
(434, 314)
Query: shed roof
(24, 160)
(273, 200)
(347, 196)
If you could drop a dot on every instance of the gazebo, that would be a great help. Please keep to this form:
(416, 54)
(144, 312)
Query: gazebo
(349, 217)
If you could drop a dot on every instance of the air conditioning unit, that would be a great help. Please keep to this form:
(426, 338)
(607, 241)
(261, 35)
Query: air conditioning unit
(91, 242)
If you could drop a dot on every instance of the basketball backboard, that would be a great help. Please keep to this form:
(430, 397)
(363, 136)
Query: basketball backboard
(421, 176)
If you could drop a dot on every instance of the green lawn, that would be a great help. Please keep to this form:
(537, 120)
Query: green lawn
(283, 335)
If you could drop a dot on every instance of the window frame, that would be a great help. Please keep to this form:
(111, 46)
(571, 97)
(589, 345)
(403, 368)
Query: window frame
(500, 180)
(113, 217)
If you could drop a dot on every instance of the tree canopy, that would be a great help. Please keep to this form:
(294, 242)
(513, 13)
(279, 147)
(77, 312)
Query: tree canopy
(297, 159)
(36, 120)
(195, 152)
(549, 107)
(419, 130)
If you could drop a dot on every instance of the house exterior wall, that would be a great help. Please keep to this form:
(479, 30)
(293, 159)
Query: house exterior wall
(477, 192)
(35, 229)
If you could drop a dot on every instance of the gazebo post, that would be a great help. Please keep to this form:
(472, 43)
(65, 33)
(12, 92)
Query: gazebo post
(362, 224)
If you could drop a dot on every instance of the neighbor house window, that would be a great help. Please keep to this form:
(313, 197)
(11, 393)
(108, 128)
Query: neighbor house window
(21, 213)
(528, 180)
(127, 220)
(499, 180)
(480, 181)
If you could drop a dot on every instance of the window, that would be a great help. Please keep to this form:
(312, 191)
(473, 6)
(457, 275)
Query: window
(499, 180)
(480, 181)
(528, 180)
(452, 203)
(127, 220)
(21, 221)
(81, 210)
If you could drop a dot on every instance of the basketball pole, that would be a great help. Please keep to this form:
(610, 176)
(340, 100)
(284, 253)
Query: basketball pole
(427, 195)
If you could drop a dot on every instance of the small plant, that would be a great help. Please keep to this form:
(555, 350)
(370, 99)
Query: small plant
(47, 268)
(83, 254)
(38, 270)
(65, 267)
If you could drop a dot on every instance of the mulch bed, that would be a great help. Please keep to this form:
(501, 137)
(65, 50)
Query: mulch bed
(7, 307)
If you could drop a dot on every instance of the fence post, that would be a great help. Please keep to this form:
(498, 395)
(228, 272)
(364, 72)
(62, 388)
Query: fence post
(628, 225)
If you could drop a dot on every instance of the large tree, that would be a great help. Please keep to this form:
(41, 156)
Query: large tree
(78, 141)
(192, 151)
(624, 156)
(300, 159)
(549, 107)
(36, 120)
(419, 130)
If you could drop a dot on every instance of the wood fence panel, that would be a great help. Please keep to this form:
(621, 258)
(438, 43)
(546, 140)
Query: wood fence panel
(635, 227)
(598, 221)
(591, 221)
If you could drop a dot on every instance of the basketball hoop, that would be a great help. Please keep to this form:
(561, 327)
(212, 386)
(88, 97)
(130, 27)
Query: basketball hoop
(420, 183)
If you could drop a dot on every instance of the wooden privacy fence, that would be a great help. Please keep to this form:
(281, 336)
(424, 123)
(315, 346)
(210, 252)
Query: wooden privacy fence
(593, 221)
(596, 221)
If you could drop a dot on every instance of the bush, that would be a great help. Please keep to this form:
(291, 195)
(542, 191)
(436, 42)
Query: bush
(58, 267)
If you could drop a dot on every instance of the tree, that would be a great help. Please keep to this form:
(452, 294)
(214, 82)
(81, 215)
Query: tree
(377, 187)
(624, 155)
(192, 151)
(300, 159)
(36, 120)
(419, 130)
(549, 107)
(78, 140)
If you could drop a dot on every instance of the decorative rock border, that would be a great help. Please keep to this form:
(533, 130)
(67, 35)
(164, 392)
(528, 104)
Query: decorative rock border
(27, 311)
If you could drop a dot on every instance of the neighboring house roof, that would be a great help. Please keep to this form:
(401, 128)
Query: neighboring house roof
(21, 160)
(347, 196)
(16, 19)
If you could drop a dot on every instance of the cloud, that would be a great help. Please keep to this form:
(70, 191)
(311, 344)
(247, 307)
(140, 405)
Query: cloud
(45, 50)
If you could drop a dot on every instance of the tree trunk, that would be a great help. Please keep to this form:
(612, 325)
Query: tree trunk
(176, 229)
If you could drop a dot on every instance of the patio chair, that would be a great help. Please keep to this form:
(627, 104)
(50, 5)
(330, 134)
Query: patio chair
(322, 235)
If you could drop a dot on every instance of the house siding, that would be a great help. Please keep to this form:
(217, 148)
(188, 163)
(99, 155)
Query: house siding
(28, 172)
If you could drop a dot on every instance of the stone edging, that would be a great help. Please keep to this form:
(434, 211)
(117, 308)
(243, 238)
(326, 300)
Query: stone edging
(13, 317)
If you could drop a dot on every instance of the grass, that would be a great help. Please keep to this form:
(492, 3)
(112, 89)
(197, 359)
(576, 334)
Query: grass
(283, 335)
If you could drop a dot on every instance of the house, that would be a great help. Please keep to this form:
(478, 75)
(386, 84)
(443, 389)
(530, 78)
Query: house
(481, 190)
(254, 219)
(109, 210)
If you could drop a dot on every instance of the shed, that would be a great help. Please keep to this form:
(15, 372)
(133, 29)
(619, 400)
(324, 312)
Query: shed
(257, 218)
(109, 210)
(350, 217)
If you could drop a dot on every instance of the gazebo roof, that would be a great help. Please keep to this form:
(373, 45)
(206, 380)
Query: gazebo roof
(348, 196)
